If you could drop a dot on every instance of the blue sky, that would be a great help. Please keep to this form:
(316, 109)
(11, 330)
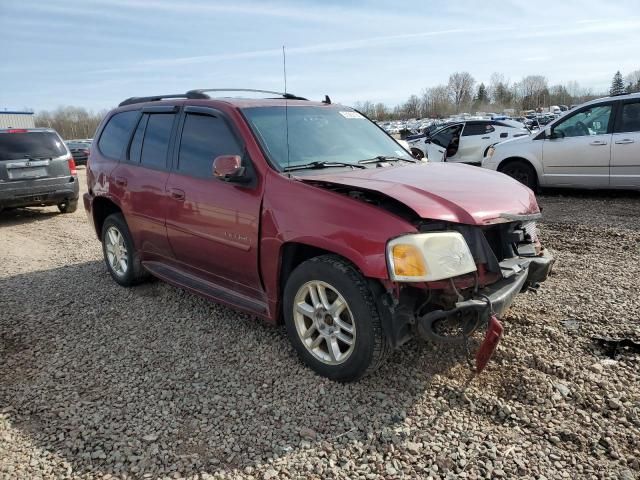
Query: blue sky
(94, 53)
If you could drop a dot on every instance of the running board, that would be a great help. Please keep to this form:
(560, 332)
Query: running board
(205, 288)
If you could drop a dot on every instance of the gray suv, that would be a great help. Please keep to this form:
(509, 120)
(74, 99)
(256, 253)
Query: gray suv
(36, 169)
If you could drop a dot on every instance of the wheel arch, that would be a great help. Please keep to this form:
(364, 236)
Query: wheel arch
(294, 253)
(101, 208)
(503, 164)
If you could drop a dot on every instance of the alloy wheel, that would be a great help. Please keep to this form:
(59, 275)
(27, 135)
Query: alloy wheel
(116, 250)
(324, 322)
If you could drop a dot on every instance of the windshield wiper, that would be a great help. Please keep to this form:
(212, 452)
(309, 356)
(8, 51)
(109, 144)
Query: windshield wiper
(309, 165)
(384, 158)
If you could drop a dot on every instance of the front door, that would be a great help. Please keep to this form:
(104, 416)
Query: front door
(625, 149)
(213, 225)
(577, 151)
(443, 144)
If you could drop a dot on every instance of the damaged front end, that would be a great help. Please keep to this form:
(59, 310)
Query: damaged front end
(498, 261)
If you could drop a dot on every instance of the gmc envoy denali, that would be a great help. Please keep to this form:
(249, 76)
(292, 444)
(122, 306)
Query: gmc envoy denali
(309, 214)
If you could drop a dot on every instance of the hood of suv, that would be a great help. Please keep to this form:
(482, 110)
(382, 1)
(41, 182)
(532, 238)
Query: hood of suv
(442, 191)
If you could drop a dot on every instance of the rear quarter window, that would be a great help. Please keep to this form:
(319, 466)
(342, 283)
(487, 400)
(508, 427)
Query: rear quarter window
(116, 133)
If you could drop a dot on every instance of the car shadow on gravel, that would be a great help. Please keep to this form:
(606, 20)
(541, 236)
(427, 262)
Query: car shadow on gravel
(20, 216)
(156, 380)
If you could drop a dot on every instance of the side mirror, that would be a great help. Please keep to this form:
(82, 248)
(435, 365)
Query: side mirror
(228, 168)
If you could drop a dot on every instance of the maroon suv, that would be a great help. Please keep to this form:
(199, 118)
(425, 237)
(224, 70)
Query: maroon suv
(308, 213)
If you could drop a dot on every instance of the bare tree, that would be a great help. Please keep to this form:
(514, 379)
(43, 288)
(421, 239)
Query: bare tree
(435, 101)
(412, 107)
(533, 92)
(461, 88)
(381, 111)
(70, 122)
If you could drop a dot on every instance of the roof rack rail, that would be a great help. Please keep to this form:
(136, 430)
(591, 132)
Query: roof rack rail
(202, 94)
(203, 91)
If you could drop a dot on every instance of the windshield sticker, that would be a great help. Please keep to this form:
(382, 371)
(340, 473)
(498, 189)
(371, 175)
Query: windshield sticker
(351, 115)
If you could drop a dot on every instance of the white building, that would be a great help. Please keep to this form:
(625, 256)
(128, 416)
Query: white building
(15, 119)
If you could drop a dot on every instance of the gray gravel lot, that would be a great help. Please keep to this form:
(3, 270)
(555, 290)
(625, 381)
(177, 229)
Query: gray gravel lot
(154, 382)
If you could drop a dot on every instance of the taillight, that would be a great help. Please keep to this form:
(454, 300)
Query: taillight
(72, 167)
(17, 130)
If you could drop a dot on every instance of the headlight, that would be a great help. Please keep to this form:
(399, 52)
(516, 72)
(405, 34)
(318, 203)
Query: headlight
(426, 257)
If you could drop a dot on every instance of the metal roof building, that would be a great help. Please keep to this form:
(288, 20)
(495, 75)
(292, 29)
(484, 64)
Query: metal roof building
(16, 119)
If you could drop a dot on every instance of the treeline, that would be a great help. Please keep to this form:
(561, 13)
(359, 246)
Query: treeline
(70, 122)
(463, 94)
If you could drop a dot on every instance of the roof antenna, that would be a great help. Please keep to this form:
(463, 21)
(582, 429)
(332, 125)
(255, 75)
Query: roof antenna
(286, 101)
(327, 100)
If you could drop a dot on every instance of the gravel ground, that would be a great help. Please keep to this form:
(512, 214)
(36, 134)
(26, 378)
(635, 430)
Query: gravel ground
(97, 381)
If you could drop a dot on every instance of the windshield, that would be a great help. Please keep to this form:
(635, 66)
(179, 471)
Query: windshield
(320, 134)
(15, 146)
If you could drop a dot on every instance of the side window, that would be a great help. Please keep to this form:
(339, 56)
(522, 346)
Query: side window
(477, 129)
(630, 121)
(136, 144)
(116, 134)
(444, 136)
(593, 121)
(156, 140)
(204, 138)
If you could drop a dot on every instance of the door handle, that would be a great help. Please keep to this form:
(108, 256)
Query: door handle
(121, 181)
(177, 194)
(598, 142)
(486, 138)
(624, 140)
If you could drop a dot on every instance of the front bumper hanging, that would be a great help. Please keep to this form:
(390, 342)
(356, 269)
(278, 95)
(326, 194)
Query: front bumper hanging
(490, 303)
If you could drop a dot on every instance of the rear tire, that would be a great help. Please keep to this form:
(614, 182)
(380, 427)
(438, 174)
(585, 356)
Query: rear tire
(341, 337)
(523, 172)
(119, 252)
(68, 206)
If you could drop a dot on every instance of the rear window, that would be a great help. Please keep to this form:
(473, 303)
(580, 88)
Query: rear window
(15, 146)
(116, 134)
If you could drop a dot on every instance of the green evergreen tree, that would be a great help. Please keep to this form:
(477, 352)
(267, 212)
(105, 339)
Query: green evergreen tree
(617, 84)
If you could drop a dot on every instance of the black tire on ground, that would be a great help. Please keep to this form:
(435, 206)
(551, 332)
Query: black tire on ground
(417, 153)
(370, 346)
(135, 272)
(523, 172)
(68, 206)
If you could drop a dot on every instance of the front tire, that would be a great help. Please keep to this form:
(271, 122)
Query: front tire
(523, 172)
(119, 252)
(417, 153)
(332, 320)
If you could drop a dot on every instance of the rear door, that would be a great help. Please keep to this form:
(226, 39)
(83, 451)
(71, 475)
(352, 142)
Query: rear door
(475, 138)
(213, 225)
(625, 149)
(578, 151)
(140, 179)
(28, 156)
